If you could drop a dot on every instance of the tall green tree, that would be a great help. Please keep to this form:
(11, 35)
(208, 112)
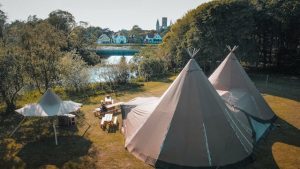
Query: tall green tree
(136, 34)
(11, 74)
(43, 44)
(82, 40)
(12, 69)
(265, 30)
(62, 20)
(3, 18)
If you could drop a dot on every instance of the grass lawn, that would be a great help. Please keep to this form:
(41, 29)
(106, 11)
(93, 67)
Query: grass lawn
(32, 146)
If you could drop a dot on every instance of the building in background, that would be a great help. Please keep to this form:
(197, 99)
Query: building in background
(171, 23)
(103, 39)
(164, 23)
(153, 38)
(157, 26)
(119, 39)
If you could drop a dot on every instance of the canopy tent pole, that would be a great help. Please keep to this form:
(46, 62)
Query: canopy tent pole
(55, 135)
(89, 126)
(19, 125)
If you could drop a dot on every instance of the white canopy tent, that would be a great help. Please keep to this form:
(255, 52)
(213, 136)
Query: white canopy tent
(49, 105)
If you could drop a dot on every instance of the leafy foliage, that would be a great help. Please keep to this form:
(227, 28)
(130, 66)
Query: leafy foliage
(43, 45)
(266, 32)
(11, 75)
(73, 71)
(62, 20)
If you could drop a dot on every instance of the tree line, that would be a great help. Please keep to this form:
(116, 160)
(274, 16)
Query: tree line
(266, 31)
(38, 54)
(43, 53)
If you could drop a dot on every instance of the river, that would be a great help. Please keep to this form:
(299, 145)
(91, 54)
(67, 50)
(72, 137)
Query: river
(96, 70)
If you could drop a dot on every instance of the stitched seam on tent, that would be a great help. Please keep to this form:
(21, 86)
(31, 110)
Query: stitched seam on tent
(239, 131)
(249, 131)
(236, 132)
(232, 105)
(238, 128)
(206, 143)
(244, 126)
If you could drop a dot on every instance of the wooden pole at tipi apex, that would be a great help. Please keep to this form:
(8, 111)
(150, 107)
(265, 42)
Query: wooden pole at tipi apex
(192, 53)
(228, 47)
(232, 49)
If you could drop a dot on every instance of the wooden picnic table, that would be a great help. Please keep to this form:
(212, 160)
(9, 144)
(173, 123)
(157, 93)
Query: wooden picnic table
(111, 108)
(108, 120)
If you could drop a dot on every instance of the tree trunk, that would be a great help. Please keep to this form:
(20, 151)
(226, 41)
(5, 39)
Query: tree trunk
(10, 106)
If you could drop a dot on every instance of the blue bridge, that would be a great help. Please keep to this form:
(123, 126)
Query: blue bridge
(116, 51)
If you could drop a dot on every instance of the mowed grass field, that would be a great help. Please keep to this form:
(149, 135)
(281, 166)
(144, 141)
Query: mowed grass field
(87, 146)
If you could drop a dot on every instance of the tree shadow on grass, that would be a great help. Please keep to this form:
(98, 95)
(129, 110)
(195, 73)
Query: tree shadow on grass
(263, 153)
(287, 87)
(45, 152)
(36, 128)
(8, 123)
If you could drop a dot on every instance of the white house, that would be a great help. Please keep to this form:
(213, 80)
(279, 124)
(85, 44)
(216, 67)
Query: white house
(119, 39)
(153, 38)
(103, 39)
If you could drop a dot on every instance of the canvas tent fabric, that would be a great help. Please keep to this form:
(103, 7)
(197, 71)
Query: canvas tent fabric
(234, 85)
(128, 106)
(191, 127)
(137, 115)
(239, 92)
(49, 105)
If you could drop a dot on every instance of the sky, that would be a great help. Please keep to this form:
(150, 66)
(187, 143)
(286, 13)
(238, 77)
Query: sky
(113, 14)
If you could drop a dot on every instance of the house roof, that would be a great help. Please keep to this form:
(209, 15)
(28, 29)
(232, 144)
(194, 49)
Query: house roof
(153, 35)
(103, 36)
(150, 35)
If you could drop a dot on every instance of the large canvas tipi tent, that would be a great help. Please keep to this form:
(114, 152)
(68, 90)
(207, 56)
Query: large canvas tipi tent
(236, 88)
(190, 127)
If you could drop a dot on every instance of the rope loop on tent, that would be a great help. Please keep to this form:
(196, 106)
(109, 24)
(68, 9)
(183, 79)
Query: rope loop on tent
(193, 52)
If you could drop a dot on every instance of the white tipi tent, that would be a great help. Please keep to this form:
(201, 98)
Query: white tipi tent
(236, 88)
(190, 127)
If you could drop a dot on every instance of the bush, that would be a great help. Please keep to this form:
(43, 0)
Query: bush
(151, 67)
(115, 74)
(73, 71)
